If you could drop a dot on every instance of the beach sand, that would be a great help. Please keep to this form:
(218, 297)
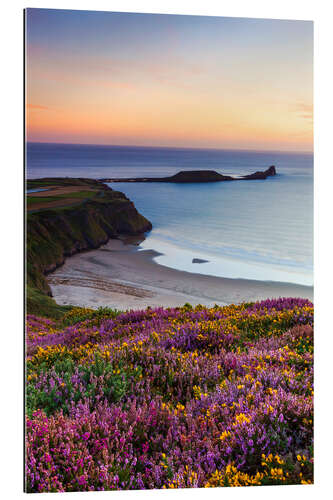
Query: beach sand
(120, 276)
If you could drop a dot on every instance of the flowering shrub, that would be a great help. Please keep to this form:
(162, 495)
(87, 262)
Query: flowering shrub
(78, 314)
(171, 398)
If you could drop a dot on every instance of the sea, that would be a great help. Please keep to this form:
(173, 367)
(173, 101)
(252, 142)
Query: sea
(258, 229)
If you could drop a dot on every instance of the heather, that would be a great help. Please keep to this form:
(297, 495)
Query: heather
(170, 398)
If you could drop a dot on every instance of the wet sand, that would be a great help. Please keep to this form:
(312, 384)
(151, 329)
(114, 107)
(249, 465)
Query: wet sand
(120, 276)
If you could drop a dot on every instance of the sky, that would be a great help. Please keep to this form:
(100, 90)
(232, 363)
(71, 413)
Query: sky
(169, 80)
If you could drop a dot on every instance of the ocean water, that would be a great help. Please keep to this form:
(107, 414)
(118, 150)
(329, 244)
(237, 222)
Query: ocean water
(260, 230)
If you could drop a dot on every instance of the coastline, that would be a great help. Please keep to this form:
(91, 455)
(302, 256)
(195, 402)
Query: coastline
(118, 275)
(84, 215)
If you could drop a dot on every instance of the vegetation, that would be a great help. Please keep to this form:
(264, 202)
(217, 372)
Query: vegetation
(39, 303)
(171, 398)
(77, 196)
(79, 314)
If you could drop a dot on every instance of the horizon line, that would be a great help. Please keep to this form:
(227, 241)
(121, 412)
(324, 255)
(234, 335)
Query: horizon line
(174, 147)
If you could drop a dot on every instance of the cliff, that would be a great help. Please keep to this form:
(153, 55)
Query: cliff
(85, 217)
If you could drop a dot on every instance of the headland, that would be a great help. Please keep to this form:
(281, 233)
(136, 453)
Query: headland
(189, 176)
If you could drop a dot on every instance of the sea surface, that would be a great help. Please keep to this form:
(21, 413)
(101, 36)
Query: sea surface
(261, 230)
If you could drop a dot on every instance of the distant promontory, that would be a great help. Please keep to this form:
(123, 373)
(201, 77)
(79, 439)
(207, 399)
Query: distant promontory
(188, 176)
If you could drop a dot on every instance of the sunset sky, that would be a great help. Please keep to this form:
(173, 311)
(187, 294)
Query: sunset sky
(163, 80)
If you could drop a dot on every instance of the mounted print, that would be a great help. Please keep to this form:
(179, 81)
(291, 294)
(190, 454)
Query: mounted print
(169, 251)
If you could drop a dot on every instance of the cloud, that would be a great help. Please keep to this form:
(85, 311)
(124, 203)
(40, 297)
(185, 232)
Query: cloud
(36, 106)
(303, 110)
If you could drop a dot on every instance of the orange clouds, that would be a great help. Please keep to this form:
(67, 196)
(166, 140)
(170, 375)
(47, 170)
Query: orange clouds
(304, 110)
(36, 106)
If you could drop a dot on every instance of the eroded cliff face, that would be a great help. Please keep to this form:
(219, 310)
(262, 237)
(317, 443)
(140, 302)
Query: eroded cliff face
(54, 234)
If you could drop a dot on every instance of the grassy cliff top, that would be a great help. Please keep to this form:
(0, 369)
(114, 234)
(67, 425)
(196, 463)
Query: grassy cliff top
(63, 181)
(64, 192)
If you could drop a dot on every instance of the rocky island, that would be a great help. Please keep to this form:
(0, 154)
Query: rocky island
(189, 176)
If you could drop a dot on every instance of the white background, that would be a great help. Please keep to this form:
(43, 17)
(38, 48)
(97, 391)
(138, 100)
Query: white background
(11, 247)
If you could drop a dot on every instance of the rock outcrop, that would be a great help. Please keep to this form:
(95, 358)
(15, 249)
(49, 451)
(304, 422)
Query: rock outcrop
(261, 175)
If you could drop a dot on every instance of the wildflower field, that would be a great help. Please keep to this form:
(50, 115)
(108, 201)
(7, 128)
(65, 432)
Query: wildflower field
(170, 398)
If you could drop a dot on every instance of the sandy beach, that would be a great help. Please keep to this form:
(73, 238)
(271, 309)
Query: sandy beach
(120, 276)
